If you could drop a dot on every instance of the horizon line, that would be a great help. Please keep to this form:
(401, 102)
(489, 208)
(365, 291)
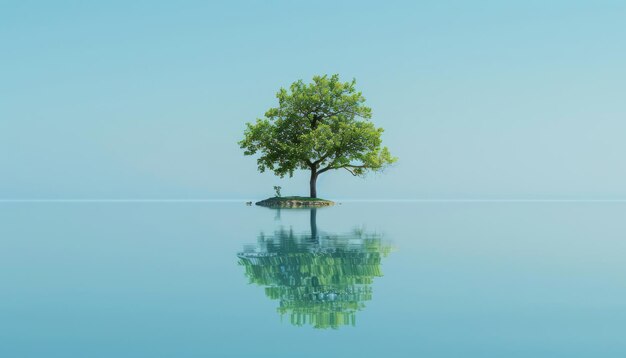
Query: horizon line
(337, 200)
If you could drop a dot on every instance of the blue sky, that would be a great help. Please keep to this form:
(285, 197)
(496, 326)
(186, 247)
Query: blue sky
(147, 99)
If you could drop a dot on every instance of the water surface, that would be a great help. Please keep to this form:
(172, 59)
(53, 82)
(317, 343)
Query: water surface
(359, 279)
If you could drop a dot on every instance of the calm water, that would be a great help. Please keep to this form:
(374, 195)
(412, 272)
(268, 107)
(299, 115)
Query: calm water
(355, 280)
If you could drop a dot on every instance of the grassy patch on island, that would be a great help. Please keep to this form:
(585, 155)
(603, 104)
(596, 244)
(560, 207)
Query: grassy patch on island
(299, 198)
(295, 202)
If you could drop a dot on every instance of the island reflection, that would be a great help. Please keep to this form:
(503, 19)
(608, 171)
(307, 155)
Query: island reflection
(319, 279)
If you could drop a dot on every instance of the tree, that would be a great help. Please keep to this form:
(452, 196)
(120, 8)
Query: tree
(320, 126)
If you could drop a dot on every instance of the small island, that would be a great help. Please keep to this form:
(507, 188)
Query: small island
(294, 202)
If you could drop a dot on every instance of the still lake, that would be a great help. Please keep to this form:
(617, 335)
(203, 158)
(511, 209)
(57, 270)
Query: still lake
(361, 279)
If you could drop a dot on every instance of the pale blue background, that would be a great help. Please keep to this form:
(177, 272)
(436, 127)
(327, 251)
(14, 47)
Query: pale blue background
(146, 99)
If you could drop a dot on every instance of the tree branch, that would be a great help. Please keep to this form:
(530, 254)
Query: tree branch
(322, 158)
(347, 167)
(354, 166)
(325, 169)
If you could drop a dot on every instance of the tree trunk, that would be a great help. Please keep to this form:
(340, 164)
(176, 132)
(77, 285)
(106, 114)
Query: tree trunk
(313, 183)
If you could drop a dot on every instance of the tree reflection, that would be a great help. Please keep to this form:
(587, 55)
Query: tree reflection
(318, 278)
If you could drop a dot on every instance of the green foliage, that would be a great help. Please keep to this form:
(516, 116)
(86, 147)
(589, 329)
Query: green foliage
(277, 190)
(320, 126)
(299, 198)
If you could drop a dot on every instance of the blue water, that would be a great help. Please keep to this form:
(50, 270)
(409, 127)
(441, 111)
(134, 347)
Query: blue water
(491, 279)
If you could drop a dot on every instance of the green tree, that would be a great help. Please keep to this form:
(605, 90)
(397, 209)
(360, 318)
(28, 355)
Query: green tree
(320, 126)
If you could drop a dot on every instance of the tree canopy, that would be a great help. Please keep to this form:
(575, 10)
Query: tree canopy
(320, 126)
